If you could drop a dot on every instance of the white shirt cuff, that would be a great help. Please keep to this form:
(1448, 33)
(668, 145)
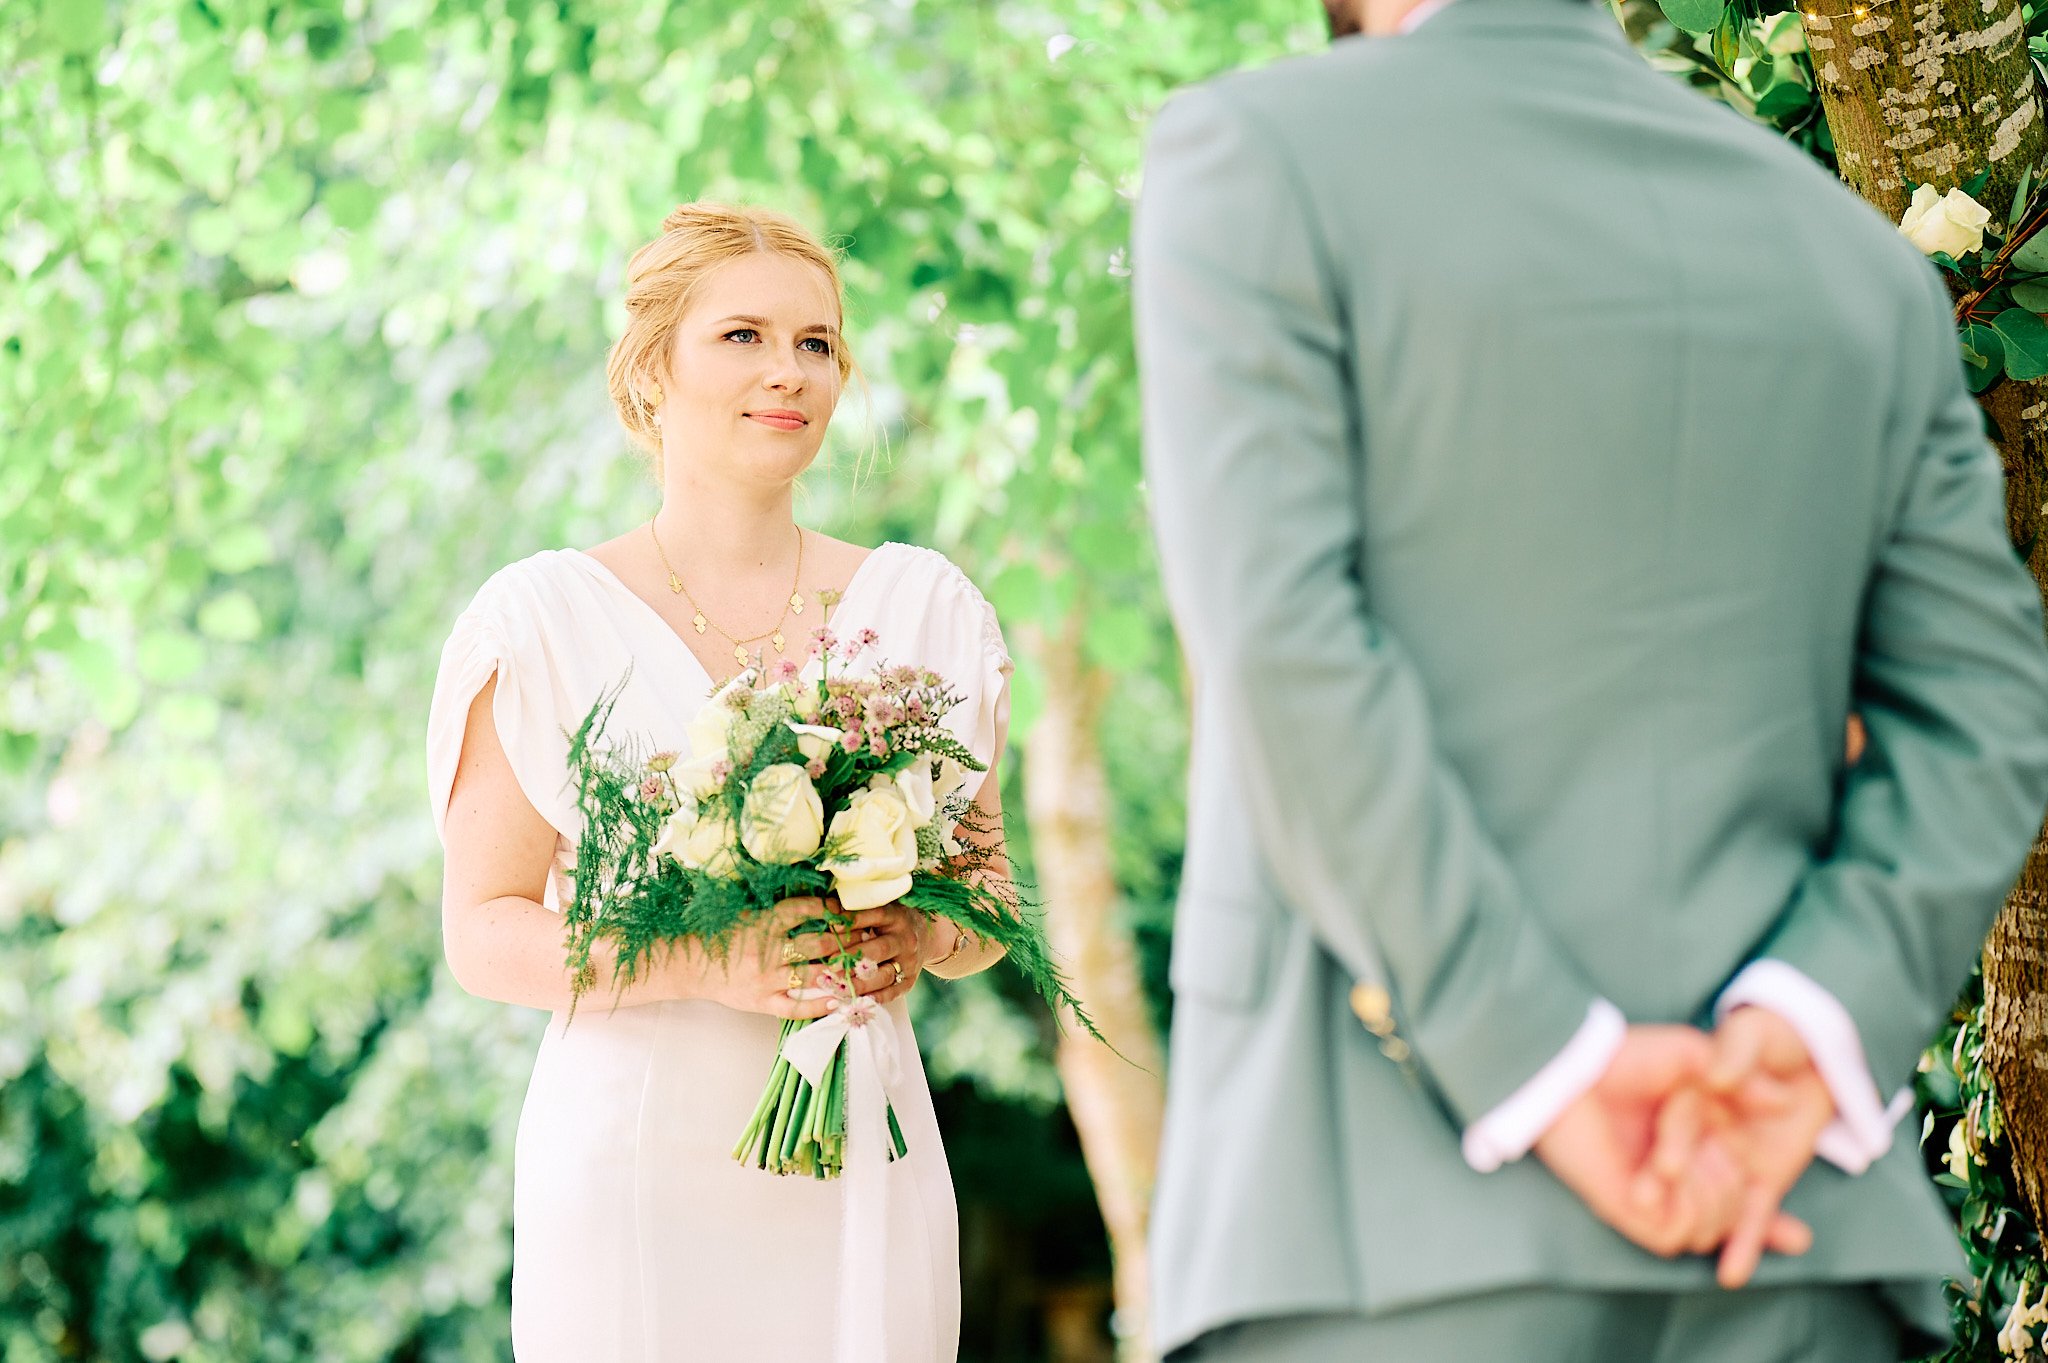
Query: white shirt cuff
(1512, 1129)
(1862, 1129)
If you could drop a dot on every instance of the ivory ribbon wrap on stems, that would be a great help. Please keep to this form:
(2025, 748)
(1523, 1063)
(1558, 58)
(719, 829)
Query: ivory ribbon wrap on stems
(872, 1074)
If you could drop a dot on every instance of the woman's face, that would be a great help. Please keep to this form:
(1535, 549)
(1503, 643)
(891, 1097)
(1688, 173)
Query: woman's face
(754, 374)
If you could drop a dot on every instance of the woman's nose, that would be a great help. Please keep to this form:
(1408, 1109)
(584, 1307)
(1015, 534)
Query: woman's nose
(785, 375)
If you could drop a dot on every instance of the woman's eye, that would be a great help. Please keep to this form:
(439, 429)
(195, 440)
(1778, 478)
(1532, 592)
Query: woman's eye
(742, 334)
(822, 346)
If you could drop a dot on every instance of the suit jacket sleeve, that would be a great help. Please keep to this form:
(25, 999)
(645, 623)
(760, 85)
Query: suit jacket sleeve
(1935, 821)
(1252, 472)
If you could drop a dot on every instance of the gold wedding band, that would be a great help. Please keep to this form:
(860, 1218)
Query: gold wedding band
(791, 953)
(899, 970)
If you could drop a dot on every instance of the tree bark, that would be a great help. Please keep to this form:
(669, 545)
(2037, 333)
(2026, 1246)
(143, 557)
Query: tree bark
(1931, 90)
(1118, 1105)
(1939, 90)
(2016, 956)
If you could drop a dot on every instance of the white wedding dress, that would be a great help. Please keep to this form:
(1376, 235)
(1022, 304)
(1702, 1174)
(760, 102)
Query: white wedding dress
(637, 1237)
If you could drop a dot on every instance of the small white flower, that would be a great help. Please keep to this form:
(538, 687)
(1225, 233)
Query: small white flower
(2016, 1337)
(1958, 1157)
(1952, 222)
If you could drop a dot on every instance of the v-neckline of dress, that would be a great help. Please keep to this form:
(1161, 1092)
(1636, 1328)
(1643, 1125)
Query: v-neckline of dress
(655, 617)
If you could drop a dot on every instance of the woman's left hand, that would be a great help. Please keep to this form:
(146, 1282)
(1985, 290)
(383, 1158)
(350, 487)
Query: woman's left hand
(893, 943)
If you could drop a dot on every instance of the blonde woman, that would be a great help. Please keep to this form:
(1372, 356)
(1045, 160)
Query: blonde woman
(637, 1235)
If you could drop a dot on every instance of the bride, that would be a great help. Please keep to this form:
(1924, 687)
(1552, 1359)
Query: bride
(638, 1237)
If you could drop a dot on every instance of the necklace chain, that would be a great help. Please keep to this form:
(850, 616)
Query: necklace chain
(699, 621)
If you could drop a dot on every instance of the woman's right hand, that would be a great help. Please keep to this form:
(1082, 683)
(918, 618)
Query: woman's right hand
(766, 967)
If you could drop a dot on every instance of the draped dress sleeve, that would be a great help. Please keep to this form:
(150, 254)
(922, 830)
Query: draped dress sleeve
(937, 618)
(501, 632)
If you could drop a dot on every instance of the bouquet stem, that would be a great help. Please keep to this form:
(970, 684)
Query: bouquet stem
(798, 1129)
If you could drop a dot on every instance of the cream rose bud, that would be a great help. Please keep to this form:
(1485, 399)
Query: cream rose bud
(783, 820)
(707, 845)
(675, 831)
(1952, 222)
(874, 849)
(699, 842)
(814, 740)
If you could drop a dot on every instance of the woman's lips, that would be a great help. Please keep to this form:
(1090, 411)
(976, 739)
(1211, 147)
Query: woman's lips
(781, 421)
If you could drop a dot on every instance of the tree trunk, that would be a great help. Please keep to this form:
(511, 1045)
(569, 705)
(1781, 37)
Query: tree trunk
(1118, 1105)
(2016, 956)
(1938, 90)
(1931, 90)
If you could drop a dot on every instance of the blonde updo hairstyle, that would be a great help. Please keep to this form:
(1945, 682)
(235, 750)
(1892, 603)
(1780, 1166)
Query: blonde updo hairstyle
(662, 278)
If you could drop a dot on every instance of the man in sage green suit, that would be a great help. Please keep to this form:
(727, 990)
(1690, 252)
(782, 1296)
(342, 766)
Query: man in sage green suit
(1546, 462)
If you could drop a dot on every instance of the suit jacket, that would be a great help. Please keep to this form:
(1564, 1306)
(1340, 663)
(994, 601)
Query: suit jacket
(1545, 460)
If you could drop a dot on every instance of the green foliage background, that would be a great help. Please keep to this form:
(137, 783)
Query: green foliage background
(303, 309)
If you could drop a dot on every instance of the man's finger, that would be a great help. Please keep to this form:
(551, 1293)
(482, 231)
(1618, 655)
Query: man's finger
(1788, 1235)
(1738, 1048)
(1745, 1247)
(1679, 1122)
(1657, 1061)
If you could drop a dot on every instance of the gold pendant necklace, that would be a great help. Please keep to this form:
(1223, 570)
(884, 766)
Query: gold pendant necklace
(699, 621)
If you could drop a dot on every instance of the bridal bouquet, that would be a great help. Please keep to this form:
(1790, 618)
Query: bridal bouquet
(804, 782)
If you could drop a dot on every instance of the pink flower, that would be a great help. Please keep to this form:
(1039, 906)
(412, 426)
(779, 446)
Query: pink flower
(865, 969)
(786, 670)
(878, 746)
(866, 638)
(827, 640)
(815, 768)
(720, 770)
(650, 789)
(850, 740)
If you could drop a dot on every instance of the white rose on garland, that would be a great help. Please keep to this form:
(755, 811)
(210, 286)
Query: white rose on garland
(1952, 222)
(782, 820)
(873, 849)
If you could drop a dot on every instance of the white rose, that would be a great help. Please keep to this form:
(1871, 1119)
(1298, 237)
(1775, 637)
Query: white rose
(914, 785)
(783, 820)
(815, 740)
(874, 849)
(700, 841)
(1952, 222)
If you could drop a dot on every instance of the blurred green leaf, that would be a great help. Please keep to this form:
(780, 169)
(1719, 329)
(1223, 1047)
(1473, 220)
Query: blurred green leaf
(231, 617)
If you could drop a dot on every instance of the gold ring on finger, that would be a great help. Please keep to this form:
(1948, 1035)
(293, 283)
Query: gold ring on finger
(899, 970)
(791, 953)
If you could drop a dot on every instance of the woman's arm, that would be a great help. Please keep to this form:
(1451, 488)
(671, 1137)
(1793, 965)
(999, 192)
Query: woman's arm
(500, 941)
(949, 952)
